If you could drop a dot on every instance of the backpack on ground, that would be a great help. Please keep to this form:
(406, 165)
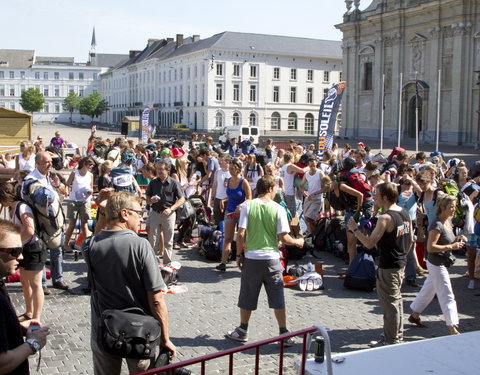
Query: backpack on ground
(211, 241)
(320, 234)
(361, 273)
(47, 212)
(337, 237)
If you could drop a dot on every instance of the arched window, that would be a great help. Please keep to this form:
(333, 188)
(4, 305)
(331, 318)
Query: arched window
(309, 123)
(236, 119)
(275, 121)
(252, 119)
(292, 121)
(219, 120)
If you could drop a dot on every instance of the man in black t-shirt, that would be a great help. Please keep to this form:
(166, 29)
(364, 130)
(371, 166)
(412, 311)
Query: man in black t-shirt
(14, 352)
(393, 236)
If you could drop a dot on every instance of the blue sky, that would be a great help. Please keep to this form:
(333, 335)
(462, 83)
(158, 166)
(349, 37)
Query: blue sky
(64, 27)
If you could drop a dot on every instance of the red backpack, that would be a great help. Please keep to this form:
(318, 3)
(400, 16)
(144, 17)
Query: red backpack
(355, 180)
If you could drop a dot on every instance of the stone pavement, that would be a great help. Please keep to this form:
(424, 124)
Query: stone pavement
(200, 317)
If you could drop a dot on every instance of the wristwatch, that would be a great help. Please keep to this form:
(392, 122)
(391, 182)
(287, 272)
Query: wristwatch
(34, 345)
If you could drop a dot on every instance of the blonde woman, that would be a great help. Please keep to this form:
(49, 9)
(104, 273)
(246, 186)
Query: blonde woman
(252, 172)
(25, 160)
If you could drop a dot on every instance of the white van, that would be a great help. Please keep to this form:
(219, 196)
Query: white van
(241, 133)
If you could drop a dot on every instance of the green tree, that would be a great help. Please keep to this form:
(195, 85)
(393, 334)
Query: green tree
(93, 105)
(32, 100)
(71, 103)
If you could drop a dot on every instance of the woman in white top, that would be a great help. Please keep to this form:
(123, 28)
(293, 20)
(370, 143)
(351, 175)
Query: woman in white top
(25, 160)
(78, 207)
(288, 172)
(313, 203)
(140, 160)
(219, 188)
(185, 227)
(252, 172)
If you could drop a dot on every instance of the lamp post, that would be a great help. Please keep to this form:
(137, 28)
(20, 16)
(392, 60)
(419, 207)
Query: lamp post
(477, 71)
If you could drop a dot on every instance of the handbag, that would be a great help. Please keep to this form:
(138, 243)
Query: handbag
(449, 259)
(185, 211)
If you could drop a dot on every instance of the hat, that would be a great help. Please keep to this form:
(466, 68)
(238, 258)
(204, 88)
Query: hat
(238, 152)
(177, 152)
(128, 157)
(348, 163)
(361, 144)
(165, 152)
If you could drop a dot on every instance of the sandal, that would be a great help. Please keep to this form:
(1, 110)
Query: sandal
(176, 247)
(24, 318)
(416, 321)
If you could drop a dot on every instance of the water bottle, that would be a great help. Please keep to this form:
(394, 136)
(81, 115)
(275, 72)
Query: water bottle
(309, 267)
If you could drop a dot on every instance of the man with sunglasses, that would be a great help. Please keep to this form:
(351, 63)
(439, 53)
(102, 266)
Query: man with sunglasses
(14, 351)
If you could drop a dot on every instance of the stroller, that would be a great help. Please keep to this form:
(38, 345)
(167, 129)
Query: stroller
(203, 214)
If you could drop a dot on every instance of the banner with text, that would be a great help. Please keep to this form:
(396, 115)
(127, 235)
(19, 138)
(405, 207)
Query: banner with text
(327, 119)
(144, 126)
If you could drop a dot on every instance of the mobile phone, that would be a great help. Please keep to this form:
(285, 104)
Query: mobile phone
(34, 327)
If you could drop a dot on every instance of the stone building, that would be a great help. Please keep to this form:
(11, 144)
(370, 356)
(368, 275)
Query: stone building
(398, 52)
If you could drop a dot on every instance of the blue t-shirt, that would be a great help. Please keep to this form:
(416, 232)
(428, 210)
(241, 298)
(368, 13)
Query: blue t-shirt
(409, 204)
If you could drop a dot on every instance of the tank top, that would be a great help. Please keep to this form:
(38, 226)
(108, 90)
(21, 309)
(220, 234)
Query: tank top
(314, 184)
(222, 181)
(288, 180)
(409, 204)
(235, 196)
(24, 164)
(81, 187)
(253, 175)
(393, 245)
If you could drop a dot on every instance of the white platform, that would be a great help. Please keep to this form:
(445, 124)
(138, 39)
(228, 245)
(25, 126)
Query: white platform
(447, 355)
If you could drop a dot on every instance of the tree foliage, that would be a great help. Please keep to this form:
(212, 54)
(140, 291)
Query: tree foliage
(32, 100)
(71, 103)
(93, 105)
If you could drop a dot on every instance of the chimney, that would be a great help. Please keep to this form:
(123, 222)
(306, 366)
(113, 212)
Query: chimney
(134, 53)
(169, 40)
(196, 38)
(151, 41)
(179, 40)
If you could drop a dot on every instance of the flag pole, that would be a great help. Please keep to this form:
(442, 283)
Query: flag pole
(437, 135)
(382, 118)
(417, 106)
(400, 110)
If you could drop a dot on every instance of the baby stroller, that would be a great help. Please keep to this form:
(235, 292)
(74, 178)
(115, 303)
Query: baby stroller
(203, 214)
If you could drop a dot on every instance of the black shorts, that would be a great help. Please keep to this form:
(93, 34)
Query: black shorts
(34, 260)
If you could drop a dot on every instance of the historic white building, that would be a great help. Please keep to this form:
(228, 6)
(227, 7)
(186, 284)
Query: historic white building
(428, 51)
(55, 77)
(274, 82)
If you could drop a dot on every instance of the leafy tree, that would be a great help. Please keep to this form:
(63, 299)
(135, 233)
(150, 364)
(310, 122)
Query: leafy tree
(32, 100)
(93, 105)
(71, 103)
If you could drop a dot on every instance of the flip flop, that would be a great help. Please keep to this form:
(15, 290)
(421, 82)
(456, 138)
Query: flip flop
(309, 284)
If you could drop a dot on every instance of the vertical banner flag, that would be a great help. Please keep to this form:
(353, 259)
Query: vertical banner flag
(328, 117)
(144, 128)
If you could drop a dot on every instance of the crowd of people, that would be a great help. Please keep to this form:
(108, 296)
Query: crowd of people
(268, 198)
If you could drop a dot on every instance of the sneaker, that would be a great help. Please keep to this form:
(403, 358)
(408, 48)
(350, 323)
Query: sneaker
(221, 267)
(238, 334)
(376, 344)
(289, 342)
(471, 284)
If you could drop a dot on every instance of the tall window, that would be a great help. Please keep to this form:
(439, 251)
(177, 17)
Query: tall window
(219, 92)
(45, 108)
(326, 76)
(219, 69)
(253, 93)
(12, 74)
(236, 92)
(80, 76)
(309, 121)
(276, 94)
(252, 119)
(22, 75)
(12, 92)
(276, 73)
(219, 120)
(57, 91)
(253, 71)
(2, 74)
(45, 75)
(293, 74)
(236, 119)
(56, 75)
(45, 91)
(37, 75)
(275, 121)
(325, 92)
(81, 91)
(70, 75)
(310, 95)
(57, 107)
(340, 76)
(293, 94)
(368, 76)
(310, 75)
(2, 93)
(292, 121)
(236, 70)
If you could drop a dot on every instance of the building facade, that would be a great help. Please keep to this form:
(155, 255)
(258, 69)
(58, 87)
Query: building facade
(397, 53)
(274, 82)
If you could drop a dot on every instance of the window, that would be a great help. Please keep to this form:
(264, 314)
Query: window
(219, 92)
(45, 75)
(293, 94)
(219, 120)
(195, 71)
(253, 71)
(80, 76)
(310, 95)
(236, 92)
(368, 76)
(12, 105)
(236, 119)
(188, 73)
(22, 88)
(12, 74)
(56, 75)
(2, 74)
(309, 121)
(326, 76)
(70, 75)
(12, 92)
(57, 91)
(276, 73)
(253, 93)
(181, 74)
(252, 119)
(169, 76)
(57, 108)
(340, 76)
(175, 75)
(219, 70)
(2, 93)
(310, 75)
(275, 121)
(81, 91)
(71, 89)
(45, 108)
(45, 91)
(37, 75)
(293, 74)
(325, 92)
(22, 75)
(276, 94)
(236, 70)
(292, 121)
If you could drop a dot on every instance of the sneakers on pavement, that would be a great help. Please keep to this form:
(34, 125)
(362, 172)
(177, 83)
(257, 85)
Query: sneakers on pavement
(221, 267)
(376, 344)
(238, 334)
(289, 342)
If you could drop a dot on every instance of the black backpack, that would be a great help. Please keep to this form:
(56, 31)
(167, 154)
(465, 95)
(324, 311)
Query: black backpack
(101, 150)
(319, 236)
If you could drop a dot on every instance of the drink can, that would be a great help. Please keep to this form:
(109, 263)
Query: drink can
(319, 349)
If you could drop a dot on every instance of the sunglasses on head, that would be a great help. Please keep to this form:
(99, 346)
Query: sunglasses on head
(13, 251)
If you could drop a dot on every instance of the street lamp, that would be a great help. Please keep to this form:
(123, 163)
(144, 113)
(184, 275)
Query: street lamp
(477, 71)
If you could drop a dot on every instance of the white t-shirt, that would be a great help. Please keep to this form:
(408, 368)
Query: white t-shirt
(282, 227)
(23, 209)
(81, 187)
(26, 165)
(222, 181)
(288, 180)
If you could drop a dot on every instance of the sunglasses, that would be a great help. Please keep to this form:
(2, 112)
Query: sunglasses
(13, 251)
(138, 212)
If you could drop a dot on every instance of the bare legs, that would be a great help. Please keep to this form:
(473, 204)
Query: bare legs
(32, 292)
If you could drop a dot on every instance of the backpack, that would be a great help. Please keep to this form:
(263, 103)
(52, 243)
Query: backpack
(361, 273)
(101, 150)
(211, 242)
(57, 161)
(47, 212)
(337, 237)
(319, 235)
(341, 203)
(450, 187)
(357, 180)
(121, 180)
